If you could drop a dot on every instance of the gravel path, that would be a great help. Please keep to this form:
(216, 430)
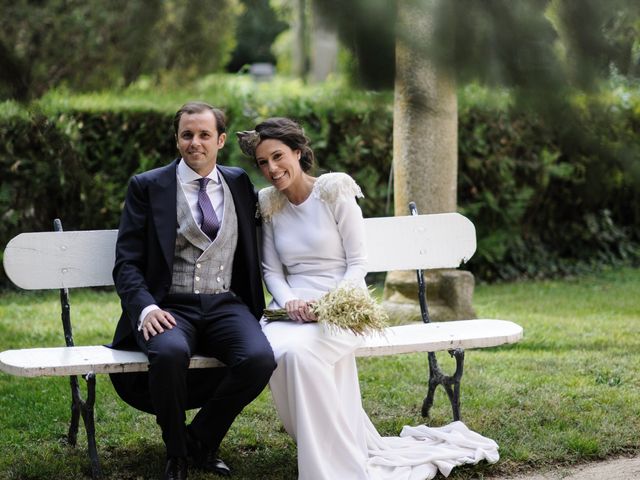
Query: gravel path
(615, 469)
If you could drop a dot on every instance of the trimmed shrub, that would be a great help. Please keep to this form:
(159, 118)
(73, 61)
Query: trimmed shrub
(545, 200)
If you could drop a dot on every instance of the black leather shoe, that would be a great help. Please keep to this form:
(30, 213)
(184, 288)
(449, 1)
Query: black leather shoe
(176, 469)
(205, 459)
(215, 465)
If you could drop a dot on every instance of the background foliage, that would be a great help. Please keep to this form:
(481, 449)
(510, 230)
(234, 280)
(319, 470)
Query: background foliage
(545, 201)
(549, 200)
(92, 44)
(258, 26)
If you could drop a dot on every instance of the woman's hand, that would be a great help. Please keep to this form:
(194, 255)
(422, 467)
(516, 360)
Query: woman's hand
(300, 311)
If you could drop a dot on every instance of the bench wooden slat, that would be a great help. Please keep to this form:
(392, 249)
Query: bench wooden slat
(443, 240)
(438, 336)
(61, 259)
(432, 337)
(85, 258)
(63, 361)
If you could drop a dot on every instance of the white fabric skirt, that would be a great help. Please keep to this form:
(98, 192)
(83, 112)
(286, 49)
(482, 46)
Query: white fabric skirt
(316, 392)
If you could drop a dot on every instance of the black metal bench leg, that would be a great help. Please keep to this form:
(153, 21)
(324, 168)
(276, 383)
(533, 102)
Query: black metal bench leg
(433, 383)
(76, 407)
(451, 384)
(85, 409)
(89, 424)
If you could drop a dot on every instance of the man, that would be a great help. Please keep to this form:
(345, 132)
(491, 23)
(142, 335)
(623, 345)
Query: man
(188, 276)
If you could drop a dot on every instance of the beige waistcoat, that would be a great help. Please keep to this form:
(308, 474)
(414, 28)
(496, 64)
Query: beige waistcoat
(200, 265)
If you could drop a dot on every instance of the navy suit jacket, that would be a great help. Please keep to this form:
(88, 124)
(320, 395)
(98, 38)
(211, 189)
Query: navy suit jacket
(146, 245)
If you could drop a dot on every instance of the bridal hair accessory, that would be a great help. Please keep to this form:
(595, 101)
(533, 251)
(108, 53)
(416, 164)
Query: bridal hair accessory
(248, 140)
(347, 307)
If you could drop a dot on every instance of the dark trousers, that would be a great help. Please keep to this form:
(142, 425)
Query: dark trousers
(214, 325)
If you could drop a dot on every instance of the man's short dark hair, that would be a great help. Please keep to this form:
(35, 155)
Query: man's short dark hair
(198, 107)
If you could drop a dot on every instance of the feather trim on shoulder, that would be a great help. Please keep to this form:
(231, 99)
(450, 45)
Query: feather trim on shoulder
(332, 187)
(329, 188)
(271, 202)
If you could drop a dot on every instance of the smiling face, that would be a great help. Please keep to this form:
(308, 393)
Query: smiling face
(279, 164)
(198, 141)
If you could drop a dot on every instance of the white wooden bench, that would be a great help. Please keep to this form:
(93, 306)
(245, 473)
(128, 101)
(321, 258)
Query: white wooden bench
(75, 259)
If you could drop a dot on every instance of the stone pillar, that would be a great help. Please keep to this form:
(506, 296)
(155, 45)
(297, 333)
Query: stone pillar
(425, 163)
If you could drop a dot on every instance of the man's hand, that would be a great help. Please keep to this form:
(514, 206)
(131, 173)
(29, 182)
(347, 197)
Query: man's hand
(155, 322)
(300, 311)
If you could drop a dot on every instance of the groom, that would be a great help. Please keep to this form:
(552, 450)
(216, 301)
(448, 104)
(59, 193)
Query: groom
(188, 277)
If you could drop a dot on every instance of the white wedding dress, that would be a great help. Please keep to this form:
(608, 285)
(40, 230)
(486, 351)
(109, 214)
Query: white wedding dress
(309, 249)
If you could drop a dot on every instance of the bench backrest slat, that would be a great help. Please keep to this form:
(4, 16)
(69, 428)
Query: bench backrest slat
(46, 260)
(51, 260)
(443, 240)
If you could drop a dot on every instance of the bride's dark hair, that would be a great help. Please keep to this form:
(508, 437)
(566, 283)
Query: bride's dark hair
(291, 134)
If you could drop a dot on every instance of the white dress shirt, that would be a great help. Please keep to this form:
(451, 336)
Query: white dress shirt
(188, 180)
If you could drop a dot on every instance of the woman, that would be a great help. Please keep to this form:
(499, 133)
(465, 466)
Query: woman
(313, 241)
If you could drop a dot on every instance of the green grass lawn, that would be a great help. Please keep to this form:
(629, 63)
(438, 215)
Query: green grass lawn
(568, 393)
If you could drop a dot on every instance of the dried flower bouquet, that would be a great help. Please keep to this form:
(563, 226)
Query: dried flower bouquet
(344, 308)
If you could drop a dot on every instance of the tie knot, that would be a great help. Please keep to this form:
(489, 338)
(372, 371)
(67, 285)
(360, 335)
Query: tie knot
(203, 182)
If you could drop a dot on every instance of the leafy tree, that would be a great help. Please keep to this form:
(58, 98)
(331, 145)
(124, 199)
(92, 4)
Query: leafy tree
(197, 36)
(92, 44)
(258, 26)
(46, 43)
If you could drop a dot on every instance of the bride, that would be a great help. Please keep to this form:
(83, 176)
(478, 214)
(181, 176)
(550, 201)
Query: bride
(313, 241)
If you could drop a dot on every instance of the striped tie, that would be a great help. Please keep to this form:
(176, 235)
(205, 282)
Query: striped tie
(210, 223)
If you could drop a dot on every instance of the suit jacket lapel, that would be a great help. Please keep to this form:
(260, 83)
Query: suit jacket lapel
(162, 195)
(238, 199)
(246, 265)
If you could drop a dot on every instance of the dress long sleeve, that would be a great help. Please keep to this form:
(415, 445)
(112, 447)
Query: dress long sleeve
(273, 269)
(350, 224)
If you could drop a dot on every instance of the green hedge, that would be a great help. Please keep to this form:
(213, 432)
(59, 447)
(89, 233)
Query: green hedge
(543, 202)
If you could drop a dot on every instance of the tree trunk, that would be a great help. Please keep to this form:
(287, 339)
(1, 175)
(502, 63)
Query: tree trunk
(425, 163)
(324, 47)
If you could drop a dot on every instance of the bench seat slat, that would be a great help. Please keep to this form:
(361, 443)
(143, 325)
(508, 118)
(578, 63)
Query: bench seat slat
(435, 337)
(62, 361)
(432, 337)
